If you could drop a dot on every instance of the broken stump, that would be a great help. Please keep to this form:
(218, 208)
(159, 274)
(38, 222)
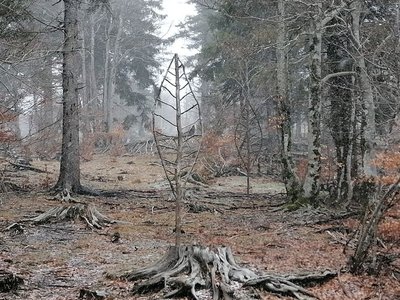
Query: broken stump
(190, 270)
(84, 211)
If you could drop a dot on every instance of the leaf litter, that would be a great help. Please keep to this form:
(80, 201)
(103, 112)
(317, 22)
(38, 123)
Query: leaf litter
(60, 260)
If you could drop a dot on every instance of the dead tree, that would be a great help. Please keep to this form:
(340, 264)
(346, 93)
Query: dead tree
(364, 258)
(248, 139)
(177, 132)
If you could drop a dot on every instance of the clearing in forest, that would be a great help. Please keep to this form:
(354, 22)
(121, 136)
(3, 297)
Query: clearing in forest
(67, 260)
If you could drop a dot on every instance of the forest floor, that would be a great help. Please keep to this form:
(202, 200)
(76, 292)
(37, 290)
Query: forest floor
(57, 260)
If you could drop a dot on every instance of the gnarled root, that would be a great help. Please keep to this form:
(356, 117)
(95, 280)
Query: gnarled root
(84, 211)
(186, 270)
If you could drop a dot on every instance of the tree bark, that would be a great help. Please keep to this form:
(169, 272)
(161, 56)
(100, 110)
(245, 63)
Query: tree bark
(69, 177)
(113, 64)
(312, 181)
(106, 99)
(93, 101)
(367, 94)
(84, 93)
(342, 107)
(293, 187)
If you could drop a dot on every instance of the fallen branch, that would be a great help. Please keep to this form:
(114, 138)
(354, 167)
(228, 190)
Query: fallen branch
(27, 167)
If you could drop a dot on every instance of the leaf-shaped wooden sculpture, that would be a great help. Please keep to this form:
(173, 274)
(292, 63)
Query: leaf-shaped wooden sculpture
(177, 131)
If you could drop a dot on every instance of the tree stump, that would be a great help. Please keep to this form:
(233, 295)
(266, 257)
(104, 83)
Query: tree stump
(84, 211)
(187, 270)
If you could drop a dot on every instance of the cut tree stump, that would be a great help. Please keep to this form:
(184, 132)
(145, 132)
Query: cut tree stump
(9, 281)
(192, 271)
(84, 211)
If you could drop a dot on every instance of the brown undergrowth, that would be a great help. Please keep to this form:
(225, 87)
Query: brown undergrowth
(58, 260)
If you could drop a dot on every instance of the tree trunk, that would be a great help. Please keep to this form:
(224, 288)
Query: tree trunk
(106, 100)
(293, 187)
(84, 93)
(48, 93)
(93, 101)
(69, 177)
(369, 129)
(342, 108)
(312, 181)
(113, 70)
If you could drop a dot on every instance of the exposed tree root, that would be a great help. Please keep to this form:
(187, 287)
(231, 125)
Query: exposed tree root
(83, 211)
(83, 190)
(187, 270)
(79, 190)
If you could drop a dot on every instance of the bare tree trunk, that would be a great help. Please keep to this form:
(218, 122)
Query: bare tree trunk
(342, 107)
(85, 90)
(367, 95)
(69, 177)
(48, 93)
(350, 152)
(293, 187)
(84, 93)
(93, 101)
(312, 181)
(397, 53)
(106, 100)
(113, 70)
